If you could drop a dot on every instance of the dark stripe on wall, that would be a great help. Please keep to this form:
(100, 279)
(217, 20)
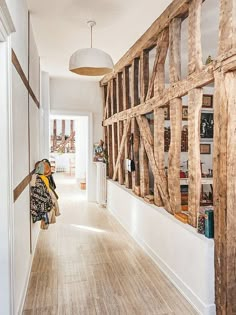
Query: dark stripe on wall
(20, 71)
(21, 187)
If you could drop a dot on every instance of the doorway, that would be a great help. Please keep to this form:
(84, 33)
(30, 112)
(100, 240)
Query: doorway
(69, 150)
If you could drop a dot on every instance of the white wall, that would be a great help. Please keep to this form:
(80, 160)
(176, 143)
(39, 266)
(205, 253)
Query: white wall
(81, 131)
(80, 97)
(44, 116)
(25, 145)
(186, 257)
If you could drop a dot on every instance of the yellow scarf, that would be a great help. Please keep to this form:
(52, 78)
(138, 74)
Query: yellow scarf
(45, 180)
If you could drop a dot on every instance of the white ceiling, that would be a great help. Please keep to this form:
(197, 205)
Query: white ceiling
(60, 27)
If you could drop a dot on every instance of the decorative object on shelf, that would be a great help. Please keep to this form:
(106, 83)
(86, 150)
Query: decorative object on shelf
(185, 113)
(201, 223)
(209, 223)
(90, 61)
(208, 60)
(207, 101)
(207, 125)
(205, 148)
(99, 152)
(167, 113)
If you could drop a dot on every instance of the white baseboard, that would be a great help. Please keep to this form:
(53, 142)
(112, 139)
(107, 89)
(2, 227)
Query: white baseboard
(190, 296)
(21, 307)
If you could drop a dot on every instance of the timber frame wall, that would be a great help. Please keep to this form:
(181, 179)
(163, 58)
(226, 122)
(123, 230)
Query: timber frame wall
(130, 93)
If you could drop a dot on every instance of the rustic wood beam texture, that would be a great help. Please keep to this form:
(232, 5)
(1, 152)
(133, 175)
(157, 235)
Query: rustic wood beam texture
(113, 97)
(128, 179)
(144, 170)
(175, 117)
(108, 100)
(175, 50)
(230, 83)
(227, 38)
(134, 127)
(161, 51)
(159, 120)
(194, 37)
(105, 101)
(225, 61)
(121, 149)
(224, 168)
(194, 168)
(144, 74)
(147, 140)
(109, 151)
(178, 8)
(143, 159)
(119, 94)
(194, 111)
(126, 88)
(224, 183)
(114, 144)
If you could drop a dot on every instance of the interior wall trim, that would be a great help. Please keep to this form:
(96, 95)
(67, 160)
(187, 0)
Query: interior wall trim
(21, 73)
(21, 187)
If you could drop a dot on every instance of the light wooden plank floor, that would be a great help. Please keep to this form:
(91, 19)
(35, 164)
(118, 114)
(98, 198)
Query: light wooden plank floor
(87, 264)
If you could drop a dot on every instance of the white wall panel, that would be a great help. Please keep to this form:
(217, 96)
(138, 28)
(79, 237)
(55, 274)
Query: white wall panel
(22, 255)
(185, 256)
(20, 129)
(34, 77)
(34, 134)
(19, 14)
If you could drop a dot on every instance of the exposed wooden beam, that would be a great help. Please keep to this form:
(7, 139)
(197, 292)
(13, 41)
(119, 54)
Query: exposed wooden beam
(175, 50)
(121, 149)
(110, 153)
(106, 91)
(194, 37)
(143, 159)
(144, 74)
(144, 170)
(128, 179)
(119, 92)
(194, 168)
(114, 144)
(161, 52)
(225, 192)
(227, 38)
(175, 117)
(159, 121)
(178, 8)
(177, 90)
(134, 127)
(148, 144)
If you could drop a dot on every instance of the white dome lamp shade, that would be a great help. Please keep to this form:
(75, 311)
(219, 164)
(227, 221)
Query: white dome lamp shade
(90, 61)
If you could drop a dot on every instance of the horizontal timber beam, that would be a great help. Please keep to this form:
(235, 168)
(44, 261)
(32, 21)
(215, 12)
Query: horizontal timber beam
(179, 89)
(178, 8)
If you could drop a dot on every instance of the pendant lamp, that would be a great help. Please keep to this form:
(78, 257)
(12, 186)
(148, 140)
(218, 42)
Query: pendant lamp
(90, 61)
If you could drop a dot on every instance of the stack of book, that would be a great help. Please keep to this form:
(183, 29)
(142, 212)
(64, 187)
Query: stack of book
(184, 197)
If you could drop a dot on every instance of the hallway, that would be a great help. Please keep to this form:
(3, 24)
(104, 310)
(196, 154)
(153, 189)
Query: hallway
(87, 264)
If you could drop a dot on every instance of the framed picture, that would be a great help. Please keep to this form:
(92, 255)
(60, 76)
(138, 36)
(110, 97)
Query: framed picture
(207, 101)
(207, 125)
(167, 113)
(185, 113)
(205, 148)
